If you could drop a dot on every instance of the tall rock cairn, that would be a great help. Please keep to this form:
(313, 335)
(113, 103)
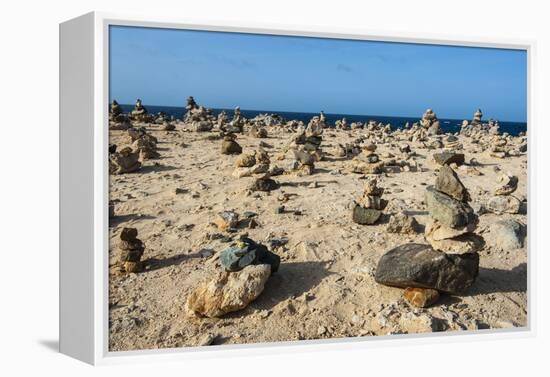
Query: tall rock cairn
(452, 219)
(131, 250)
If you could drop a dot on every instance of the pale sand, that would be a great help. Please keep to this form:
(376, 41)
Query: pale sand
(325, 286)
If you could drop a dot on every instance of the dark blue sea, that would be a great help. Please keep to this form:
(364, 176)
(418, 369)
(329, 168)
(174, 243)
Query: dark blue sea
(448, 125)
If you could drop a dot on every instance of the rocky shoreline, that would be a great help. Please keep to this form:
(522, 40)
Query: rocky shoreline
(265, 229)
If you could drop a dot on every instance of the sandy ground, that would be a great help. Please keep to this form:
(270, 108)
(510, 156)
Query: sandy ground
(325, 286)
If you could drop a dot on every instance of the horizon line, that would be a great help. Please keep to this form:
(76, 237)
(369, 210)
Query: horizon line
(317, 112)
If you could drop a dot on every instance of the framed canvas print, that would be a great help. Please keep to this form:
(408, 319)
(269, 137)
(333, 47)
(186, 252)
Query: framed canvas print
(239, 189)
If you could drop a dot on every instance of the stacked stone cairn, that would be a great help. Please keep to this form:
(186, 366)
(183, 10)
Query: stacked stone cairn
(368, 162)
(124, 161)
(314, 138)
(477, 129)
(477, 118)
(430, 122)
(304, 162)
(143, 143)
(198, 117)
(261, 167)
(368, 208)
(245, 268)
(237, 123)
(139, 113)
(248, 164)
(131, 250)
(117, 120)
(503, 201)
(451, 263)
(229, 145)
(257, 131)
(452, 220)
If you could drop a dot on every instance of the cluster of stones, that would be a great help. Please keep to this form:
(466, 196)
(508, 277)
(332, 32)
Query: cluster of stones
(117, 119)
(245, 268)
(123, 161)
(143, 143)
(131, 250)
(229, 145)
(368, 162)
(230, 221)
(236, 125)
(198, 117)
(368, 208)
(305, 146)
(139, 113)
(430, 122)
(476, 128)
(453, 221)
(503, 201)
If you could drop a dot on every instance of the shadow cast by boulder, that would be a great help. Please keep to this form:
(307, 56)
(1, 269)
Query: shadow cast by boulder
(153, 264)
(155, 168)
(495, 280)
(292, 280)
(117, 220)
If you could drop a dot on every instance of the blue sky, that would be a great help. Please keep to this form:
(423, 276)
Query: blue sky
(277, 73)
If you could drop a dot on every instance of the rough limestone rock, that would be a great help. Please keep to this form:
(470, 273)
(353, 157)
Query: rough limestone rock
(419, 266)
(448, 211)
(365, 216)
(507, 235)
(437, 231)
(230, 146)
(503, 204)
(125, 161)
(447, 182)
(447, 158)
(229, 292)
(421, 297)
(403, 224)
(246, 161)
(463, 244)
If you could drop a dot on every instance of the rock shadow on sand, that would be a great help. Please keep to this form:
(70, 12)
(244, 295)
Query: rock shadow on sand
(292, 280)
(495, 280)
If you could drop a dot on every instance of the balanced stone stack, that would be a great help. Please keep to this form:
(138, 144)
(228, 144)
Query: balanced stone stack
(430, 122)
(139, 113)
(124, 161)
(229, 145)
(477, 118)
(146, 146)
(131, 249)
(304, 163)
(264, 182)
(237, 123)
(498, 147)
(367, 163)
(257, 132)
(503, 201)
(453, 221)
(313, 138)
(451, 263)
(368, 208)
(246, 267)
(117, 120)
(199, 117)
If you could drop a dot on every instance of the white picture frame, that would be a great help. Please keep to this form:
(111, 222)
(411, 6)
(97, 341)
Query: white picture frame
(84, 189)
